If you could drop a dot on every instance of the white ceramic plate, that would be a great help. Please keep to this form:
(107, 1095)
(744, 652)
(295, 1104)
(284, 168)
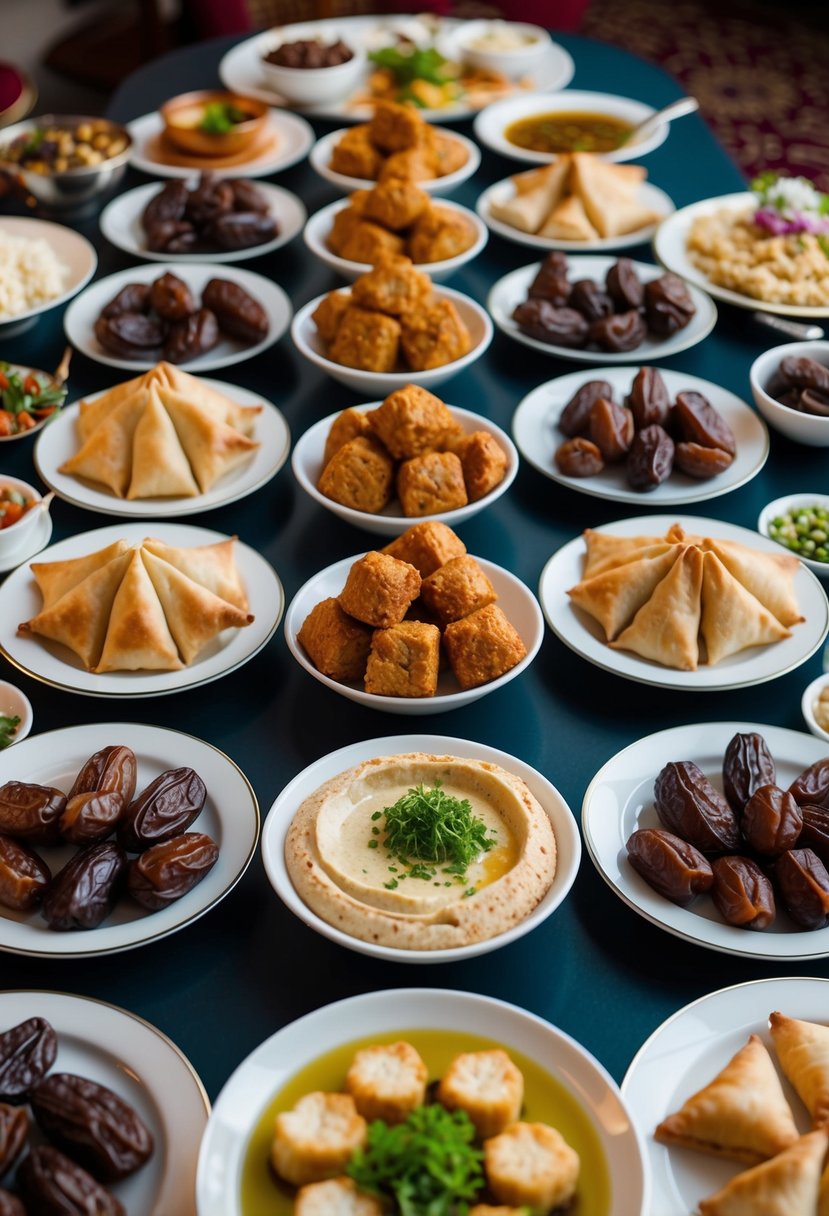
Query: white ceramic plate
(517, 601)
(293, 1048)
(241, 70)
(59, 442)
(58, 667)
(501, 192)
(619, 800)
(585, 636)
(511, 290)
(121, 225)
(793, 502)
(73, 251)
(140, 1064)
(318, 229)
(307, 464)
(535, 429)
(79, 320)
(281, 814)
(686, 1052)
(670, 247)
(230, 817)
(320, 160)
(292, 140)
(491, 123)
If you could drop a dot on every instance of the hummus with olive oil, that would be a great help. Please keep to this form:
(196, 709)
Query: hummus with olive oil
(341, 868)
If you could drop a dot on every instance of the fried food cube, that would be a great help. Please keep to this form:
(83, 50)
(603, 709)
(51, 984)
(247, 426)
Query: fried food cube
(366, 339)
(426, 546)
(394, 127)
(387, 1082)
(359, 475)
(430, 484)
(485, 1084)
(371, 243)
(342, 226)
(350, 424)
(394, 286)
(316, 1139)
(354, 154)
(411, 421)
(532, 1164)
(336, 1197)
(328, 314)
(448, 154)
(404, 660)
(484, 463)
(482, 646)
(379, 589)
(434, 336)
(440, 233)
(396, 203)
(456, 589)
(335, 643)
(415, 164)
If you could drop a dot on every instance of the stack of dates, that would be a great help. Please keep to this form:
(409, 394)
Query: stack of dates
(94, 1136)
(648, 432)
(803, 385)
(753, 845)
(616, 316)
(101, 802)
(216, 216)
(163, 319)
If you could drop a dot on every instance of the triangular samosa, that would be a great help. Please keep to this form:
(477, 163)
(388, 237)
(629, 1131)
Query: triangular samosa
(205, 397)
(138, 638)
(605, 550)
(80, 618)
(194, 614)
(803, 1051)
(160, 468)
(665, 628)
(732, 618)
(106, 456)
(568, 221)
(54, 579)
(213, 566)
(615, 596)
(213, 448)
(768, 576)
(536, 194)
(787, 1185)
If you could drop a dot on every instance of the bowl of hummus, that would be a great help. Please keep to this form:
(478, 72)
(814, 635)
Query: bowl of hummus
(421, 848)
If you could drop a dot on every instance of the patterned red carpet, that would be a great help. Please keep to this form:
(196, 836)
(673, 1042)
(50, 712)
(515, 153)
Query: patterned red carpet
(761, 75)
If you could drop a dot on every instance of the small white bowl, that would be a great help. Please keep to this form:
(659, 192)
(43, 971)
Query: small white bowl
(517, 601)
(320, 161)
(313, 86)
(493, 121)
(380, 384)
(307, 464)
(15, 704)
(515, 62)
(16, 535)
(807, 705)
(318, 228)
(793, 502)
(809, 429)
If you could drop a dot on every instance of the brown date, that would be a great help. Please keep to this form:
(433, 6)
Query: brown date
(813, 401)
(236, 310)
(27, 1052)
(611, 429)
(648, 399)
(23, 876)
(83, 893)
(747, 764)
(579, 458)
(815, 833)
(209, 199)
(170, 869)
(193, 336)
(171, 298)
(160, 235)
(812, 786)
(590, 299)
(166, 808)
(14, 1128)
(700, 462)
(550, 283)
(689, 805)
(546, 323)
(240, 229)
(670, 865)
(668, 305)
(624, 285)
(102, 790)
(623, 331)
(166, 206)
(31, 812)
(771, 821)
(805, 373)
(803, 884)
(650, 459)
(97, 1127)
(185, 242)
(135, 297)
(248, 197)
(10, 1205)
(52, 1185)
(130, 334)
(698, 422)
(111, 770)
(575, 417)
(742, 894)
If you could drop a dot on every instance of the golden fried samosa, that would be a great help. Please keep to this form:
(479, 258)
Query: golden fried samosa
(106, 455)
(194, 614)
(214, 403)
(160, 468)
(536, 193)
(213, 566)
(768, 576)
(92, 413)
(568, 221)
(138, 638)
(80, 618)
(213, 448)
(54, 579)
(665, 628)
(732, 618)
(616, 595)
(786, 1185)
(803, 1051)
(605, 550)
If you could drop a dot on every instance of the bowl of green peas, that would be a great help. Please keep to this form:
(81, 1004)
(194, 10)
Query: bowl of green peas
(800, 523)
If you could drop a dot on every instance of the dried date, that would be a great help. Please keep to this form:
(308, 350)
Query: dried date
(815, 833)
(579, 458)
(670, 865)
(111, 770)
(236, 310)
(14, 1128)
(169, 870)
(167, 206)
(550, 283)
(747, 765)
(648, 399)
(698, 422)
(668, 305)
(195, 335)
(812, 401)
(97, 1127)
(812, 786)
(575, 417)
(166, 808)
(247, 196)
(622, 332)
(27, 1052)
(135, 297)
(611, 429)
(24, 876)
(171, 298)
(557, 326)
(240, 230)
(689, 805)
(83, 893)
(624, 286)
(650, 459)
(130, 335)
(805, 373)
(742, 894)
(803, 884)
(31, 812)
(590, 299)
(10, 1205)
(699, 462)
(52, 1185)
(771, 821)
(209, 199)
(162, 234)
(101, 792)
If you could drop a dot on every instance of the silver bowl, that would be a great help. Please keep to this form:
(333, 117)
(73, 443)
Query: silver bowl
(71, 189)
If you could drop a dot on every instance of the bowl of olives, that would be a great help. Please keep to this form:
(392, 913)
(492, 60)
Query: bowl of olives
(790, 384)
(66, 162)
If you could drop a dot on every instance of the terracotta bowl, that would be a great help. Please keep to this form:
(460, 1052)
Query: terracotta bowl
(186, 135)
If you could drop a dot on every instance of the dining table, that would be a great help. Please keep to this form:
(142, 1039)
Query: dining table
(594, 968)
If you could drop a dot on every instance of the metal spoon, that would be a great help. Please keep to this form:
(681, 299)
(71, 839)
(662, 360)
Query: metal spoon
(685, 105)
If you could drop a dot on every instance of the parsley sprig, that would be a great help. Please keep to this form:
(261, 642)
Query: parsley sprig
(8, 729)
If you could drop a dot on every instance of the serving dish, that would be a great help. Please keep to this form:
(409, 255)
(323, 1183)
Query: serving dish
(80, 318)
(754, 666)
(15, 704)
(511, 290)
(531, 46)
(132, 1057)
(318, 228)
(121, 225)
(320, 158)
(287, 140)
(810, 429)
(59, 443)
(71, 249)
(20, 536)
(535, 430)
(670, 248)
(312, 87)
(811, 694)
(385, 1014)
(189, 136)
(793, 502)
(517, 601)
(307, 464)
(56, 666)
(51, 384)
(691, 1047)
(68, 190)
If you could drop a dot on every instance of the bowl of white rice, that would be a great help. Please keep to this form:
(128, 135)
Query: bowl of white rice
(42, 265)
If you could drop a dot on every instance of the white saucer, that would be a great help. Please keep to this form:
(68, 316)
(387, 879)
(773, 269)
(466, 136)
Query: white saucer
(293, 137)
(32, 543)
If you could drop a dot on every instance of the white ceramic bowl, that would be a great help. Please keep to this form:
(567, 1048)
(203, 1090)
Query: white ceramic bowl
(809, 429)
(313, 86)
(307, 463)
(380, 384)
(517, 601)
(16, 535)
(318, 228)
(515, 62)
(320, 161)
(15, 704)
(493, 121)
(807, 705)
(793, 502)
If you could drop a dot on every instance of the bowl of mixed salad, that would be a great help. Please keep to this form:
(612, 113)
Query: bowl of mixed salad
(29, 398)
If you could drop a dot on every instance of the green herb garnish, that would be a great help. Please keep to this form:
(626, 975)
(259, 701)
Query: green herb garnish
(427, 1165)
(8, 729)
(221, 116)
(421, 63)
